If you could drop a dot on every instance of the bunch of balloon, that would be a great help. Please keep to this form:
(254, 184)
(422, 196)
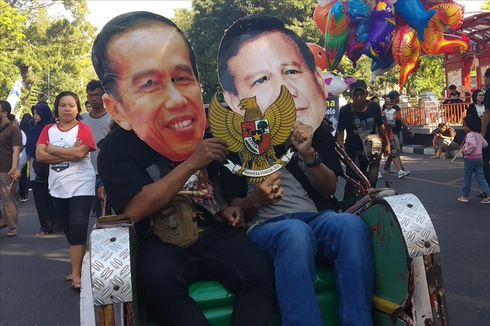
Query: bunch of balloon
(389, 32)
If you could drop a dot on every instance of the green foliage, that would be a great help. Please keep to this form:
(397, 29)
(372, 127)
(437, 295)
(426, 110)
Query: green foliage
(486, 5)
(50, 54)
(430, 76)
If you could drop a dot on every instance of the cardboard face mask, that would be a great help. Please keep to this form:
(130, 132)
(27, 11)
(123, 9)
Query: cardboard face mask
(258, 55)
(159, 94)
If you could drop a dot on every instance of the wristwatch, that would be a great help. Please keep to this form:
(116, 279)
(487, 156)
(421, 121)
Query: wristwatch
(315, 163)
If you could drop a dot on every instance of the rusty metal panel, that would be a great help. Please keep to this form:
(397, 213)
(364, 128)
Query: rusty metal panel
(111, 265)
(416, 225)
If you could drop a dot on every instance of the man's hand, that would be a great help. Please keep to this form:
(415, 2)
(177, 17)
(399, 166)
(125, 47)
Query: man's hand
(387, 149)
(14, 173)
(301, 138)
(101, 193)
(208, 150)
(234, 216)
(267, 192)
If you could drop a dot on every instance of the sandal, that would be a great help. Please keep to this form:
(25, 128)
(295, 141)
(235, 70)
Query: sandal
(69, 278)
(40, 234)
(12, 233)
(463, 199)
(485, 201)
(76, 286)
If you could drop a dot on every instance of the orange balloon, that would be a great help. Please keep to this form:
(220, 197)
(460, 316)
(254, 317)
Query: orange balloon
(406, 52)
(436, 43)
(319, 54)
(320, 16)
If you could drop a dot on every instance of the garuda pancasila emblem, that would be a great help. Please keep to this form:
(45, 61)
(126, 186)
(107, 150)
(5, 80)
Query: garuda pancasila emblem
(254, 134)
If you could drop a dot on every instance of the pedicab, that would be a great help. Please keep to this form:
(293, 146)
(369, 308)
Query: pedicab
(408, 287)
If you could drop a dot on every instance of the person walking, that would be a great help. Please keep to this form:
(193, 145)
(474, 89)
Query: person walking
(66, 146)
(10, 146)
(99, 121)
(473, 159)
(42, 199)
(391, 117)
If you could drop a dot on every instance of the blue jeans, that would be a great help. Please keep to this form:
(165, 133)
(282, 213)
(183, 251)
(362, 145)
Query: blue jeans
(293, 241)
(474, 166)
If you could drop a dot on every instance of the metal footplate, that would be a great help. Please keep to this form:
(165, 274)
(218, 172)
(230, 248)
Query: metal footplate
(110, 269)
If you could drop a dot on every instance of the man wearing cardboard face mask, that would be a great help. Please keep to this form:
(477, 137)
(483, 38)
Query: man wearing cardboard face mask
(292, 213)
(149, 74)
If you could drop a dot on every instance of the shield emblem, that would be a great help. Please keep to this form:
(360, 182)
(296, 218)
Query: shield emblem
(256, 135)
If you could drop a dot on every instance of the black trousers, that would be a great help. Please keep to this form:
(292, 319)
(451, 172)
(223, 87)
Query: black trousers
(74, 215)
(225, 255)
(44, 207)
(23, 183)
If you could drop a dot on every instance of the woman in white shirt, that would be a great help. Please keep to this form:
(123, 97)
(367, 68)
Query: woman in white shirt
(66, 146)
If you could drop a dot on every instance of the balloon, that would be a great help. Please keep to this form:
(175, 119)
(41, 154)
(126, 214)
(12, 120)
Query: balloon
(354, 48)
(406, 51)
(436, 43)
(319, 55)
(378, 68)
(381, 28)
(323, 3)
(451, 14)
(415, 14)
(359, 10)
(320, 16)
(336, 85)
(362, 32)
(336, 34)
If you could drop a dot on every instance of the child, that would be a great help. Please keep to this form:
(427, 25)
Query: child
(390, 116)
(473, 161)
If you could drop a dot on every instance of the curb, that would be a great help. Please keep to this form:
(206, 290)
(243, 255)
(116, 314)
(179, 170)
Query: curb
(421, 149)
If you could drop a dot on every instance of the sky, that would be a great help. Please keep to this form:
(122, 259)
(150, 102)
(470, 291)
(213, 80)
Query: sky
(101, 11)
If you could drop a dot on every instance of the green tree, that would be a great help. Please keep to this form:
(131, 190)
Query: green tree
(12, 27)
(53, 54)
(486, 5)
(430, 76)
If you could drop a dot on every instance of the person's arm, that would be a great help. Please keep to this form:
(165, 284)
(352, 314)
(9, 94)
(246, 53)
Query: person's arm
(14, 172)
(45, 157)
(320, 176)
(22, 159)
(73, 154)
(470, 144)
(340, 137)
(154, 196)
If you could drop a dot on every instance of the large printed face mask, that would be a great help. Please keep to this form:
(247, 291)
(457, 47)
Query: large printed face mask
(159, 95)
(258, 63)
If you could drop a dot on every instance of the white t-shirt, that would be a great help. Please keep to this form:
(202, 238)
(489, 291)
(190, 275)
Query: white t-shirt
(100, 128)
(69, 179)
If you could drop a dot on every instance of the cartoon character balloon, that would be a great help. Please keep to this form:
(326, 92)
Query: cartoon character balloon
(336, 34)
(406, 52)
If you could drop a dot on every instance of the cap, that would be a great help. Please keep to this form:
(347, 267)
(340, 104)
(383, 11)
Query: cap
(452, 86)
(393, 95)
(359, 84)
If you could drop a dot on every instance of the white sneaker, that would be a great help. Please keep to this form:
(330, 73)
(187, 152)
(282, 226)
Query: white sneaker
(403, 173)
(380, 176)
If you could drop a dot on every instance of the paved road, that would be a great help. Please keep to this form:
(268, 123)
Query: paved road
(33, 290)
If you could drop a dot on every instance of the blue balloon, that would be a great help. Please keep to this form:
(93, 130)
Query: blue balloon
(362, 31)
(415, 14)
(359, 10)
